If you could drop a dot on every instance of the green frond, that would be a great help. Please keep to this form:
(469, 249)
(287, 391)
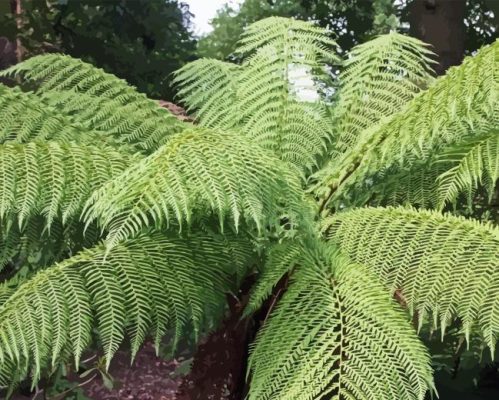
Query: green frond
(417, 187)
(474, 163)
(462, 104)
(109, 103)
(336, 333)
(199, 172)
(280, 32)
(24, 117)
(141, 287)
(269, 105)
(379, 78)
(209, 88)
(281, 259)
(444, 267)
(53, 179)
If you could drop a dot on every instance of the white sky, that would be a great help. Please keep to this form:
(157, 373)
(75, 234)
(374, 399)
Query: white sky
(204, 10)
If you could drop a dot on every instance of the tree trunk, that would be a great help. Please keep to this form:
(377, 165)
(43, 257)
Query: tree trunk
(441, 24)
(16, 9)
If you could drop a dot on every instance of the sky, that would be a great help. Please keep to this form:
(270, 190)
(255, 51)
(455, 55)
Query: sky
(204, 10)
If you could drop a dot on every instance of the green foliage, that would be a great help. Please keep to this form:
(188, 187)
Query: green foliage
(460, 105)
(198, 173)
(142, 286)
(142, 41)
(379, 78)
(52, 179)
(181, 222)
(99, 100)
(260, 97)
(336, 332)
(442, 265)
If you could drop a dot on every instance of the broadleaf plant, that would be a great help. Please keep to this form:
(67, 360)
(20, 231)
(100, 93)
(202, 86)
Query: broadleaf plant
(146, 222)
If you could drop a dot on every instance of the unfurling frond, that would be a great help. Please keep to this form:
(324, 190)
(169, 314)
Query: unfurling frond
(198, 172)
(474, 162)
(336, 333)
(53, 179)
(107, 102)
(380, 77)
(443, 266)
(459, 105)
(142, 287)
(209, 88)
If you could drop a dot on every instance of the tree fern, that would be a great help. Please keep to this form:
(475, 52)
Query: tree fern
(53, 179)
(198, 172)
(209, 87)
(336, 333)
(443, 265)
(474, 162)
(260, 97)
(143, 286)
(110, 103)
(379, 78)
(461, 104)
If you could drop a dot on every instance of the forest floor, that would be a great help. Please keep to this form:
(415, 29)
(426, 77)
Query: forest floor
(149, 378)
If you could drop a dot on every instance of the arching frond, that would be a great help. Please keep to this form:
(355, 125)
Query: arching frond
(461, 104)
(337, 334)
(142, 287)
(209, 88)
(198, 172)
(443, 266)
(109, 102)
(380, 77)
(474, 162)
(53, 179)
(23, 118)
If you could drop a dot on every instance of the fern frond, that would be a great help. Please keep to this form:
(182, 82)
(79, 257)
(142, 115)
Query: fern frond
(53, 179)
(143, 286)
(199, 172)
(444, 266)
(109, 102)
(379, 78)
(281, 259)
(474, 162)
(209, 88)
(462, 104)
(336, 333)
(270, 110)
(280, 32)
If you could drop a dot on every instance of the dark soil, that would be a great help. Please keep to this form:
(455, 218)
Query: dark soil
(149, 378)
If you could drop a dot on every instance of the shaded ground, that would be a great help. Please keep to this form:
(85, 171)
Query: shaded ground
(149, 378)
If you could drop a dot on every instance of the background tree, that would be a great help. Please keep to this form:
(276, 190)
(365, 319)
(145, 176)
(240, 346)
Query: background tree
(469, 21)
(142, 41)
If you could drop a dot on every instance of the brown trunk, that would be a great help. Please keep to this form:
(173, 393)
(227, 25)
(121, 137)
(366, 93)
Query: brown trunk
(441, 24)
(16, 9)
(219, 367)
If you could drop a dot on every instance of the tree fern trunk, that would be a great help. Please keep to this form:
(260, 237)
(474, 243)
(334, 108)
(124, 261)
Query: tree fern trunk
(441, 24)
(219, 368)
